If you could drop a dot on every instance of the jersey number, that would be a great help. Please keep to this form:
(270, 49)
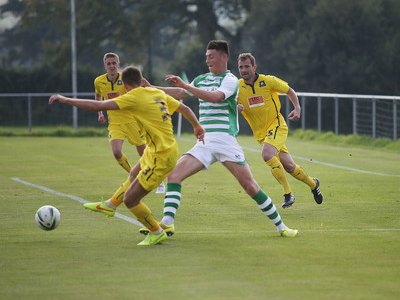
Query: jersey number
(163, 108)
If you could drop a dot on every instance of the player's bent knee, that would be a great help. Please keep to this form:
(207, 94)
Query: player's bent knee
(117, 154)
(289, 169)
(251, 189)
(174, 178)
(267, 157)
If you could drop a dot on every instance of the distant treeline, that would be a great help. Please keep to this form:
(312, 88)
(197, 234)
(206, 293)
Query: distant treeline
(336, 46)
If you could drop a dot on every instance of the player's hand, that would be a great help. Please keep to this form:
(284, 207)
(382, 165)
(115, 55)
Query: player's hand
(240, 107)
(294, 115)
(199, 133)
(101, 118)
(175, 80)
(55, 98)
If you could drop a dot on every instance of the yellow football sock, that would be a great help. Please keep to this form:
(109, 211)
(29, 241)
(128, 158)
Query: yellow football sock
(123, 162)
(144, 216)
(118, 197)
(299, 174)
(279, 173)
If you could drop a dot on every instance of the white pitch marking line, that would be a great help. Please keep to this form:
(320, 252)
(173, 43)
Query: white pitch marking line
(76, 198)
(345, 168)
(300, 231)
(135, 222)
(330, 164)
(322, 163)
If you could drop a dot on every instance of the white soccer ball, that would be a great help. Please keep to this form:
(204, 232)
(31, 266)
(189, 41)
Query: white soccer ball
(47, 217)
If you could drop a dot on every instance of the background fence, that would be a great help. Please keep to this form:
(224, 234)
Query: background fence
(373, 115)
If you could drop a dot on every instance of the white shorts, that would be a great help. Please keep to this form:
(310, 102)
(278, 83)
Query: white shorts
(218, 147)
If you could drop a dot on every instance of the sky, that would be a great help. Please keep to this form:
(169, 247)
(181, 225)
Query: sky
(6, 20)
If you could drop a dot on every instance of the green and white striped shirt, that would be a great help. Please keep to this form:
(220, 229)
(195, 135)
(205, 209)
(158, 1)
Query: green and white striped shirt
(221, 116)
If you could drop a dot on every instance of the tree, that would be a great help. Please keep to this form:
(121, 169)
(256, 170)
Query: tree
(143, 32)
(328, 46)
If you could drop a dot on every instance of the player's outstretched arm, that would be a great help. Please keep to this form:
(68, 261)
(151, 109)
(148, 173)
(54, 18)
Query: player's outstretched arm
(176, 92)
(209, 96)
(86, 104)
(189, 115)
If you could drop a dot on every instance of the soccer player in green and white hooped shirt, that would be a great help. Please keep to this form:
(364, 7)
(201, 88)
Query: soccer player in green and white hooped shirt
(217, 92)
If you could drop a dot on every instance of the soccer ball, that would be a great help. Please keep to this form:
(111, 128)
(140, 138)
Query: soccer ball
(47, 217)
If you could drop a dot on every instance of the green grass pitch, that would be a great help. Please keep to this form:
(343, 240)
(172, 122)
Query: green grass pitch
(224, 247)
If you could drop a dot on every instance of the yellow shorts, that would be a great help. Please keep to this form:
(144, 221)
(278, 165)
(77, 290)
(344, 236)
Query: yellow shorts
(129, 131)
(156, 167)
(276, 136)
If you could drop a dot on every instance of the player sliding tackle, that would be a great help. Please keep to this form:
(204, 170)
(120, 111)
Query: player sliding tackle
(152, 108)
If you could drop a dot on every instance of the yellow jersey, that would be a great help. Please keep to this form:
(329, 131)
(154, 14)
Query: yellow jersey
(109, 90)
(152, 109)
(261, 103)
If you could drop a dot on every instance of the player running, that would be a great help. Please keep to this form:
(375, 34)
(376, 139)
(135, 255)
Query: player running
(259, 103)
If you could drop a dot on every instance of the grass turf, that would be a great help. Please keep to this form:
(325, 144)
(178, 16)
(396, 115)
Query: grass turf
(224, 248)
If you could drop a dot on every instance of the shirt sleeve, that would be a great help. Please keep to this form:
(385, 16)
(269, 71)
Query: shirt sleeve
(96, 87)
(172, 104)
(278, 85)
(229, 85)
(125, 101)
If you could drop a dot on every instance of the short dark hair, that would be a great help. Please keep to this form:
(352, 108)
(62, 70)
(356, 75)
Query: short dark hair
(219, 45)
(247, 55)
(132, 76)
